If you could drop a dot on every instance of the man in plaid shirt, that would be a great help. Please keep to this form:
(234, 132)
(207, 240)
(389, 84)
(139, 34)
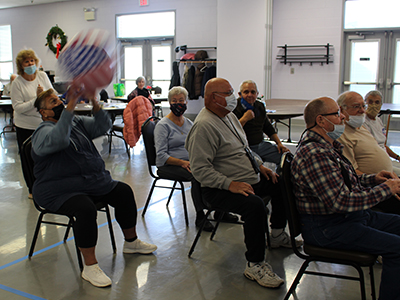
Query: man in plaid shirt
(334, 202)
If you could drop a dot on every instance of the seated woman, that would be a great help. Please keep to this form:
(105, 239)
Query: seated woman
(172, 157)
(141, 90)
(374, 125)
(71, 177)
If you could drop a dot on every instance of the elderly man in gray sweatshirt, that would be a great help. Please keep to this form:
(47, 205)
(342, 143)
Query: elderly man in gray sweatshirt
(233, 180)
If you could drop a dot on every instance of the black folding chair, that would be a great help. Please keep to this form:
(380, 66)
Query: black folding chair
(29, 163)
(313, 253)
(148, 139)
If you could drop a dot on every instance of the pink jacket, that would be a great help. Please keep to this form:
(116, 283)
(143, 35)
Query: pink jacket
(136, 112)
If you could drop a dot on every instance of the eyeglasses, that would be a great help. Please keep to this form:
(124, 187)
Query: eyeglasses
(357, 106)
(225, 94)
(337, 113)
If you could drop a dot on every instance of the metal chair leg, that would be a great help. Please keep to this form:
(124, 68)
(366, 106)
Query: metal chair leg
(199, 232)
(149, 196)
(171, 193)
(35, 235)
(184, 202)
(110, 228)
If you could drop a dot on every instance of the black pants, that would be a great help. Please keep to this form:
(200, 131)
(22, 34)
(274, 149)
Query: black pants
(252, 210)
(83, 208)
(22, 135)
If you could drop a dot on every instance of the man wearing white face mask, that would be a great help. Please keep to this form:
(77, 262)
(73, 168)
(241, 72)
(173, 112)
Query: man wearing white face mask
(374, 125)
(232, 180)
(334, 203)
(360, 147)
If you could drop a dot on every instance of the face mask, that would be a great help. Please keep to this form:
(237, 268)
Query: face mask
(30, 70)
(57, 111)
(356, 121)
(230, 102)
(178, 108)
(246, 104)
(337, 130)
(373, 109)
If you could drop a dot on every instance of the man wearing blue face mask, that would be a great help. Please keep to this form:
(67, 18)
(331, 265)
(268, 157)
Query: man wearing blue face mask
(252, 116)
(334, 202)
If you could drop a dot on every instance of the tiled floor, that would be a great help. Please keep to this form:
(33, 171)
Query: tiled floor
(214, 271)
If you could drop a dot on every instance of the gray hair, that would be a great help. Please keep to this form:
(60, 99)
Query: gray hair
(139, 79)
(177, 90)
(373, 93)
(248, 82)
(342, 98)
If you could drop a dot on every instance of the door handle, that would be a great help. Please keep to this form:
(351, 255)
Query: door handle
(389, 84)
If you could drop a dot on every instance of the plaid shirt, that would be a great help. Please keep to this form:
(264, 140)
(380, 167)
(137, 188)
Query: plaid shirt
(319, 185)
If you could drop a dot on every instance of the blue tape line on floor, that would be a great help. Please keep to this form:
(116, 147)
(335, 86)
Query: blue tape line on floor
(20, 293)
(29, 296)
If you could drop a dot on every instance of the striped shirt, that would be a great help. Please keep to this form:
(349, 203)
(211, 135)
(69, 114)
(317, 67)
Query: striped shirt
(319, 185)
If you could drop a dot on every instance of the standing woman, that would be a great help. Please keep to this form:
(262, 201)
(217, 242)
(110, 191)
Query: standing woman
(24, 91)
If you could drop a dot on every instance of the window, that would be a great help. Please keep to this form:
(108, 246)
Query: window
(140, 26)
(6, 65)
(371, 14)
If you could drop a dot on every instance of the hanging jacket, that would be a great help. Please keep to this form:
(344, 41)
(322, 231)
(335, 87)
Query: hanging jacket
(136, 112)
(210, 72)
(198, 79)
(190, 82)
(175, 79)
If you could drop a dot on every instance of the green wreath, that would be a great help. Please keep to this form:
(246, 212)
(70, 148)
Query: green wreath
(53, 33)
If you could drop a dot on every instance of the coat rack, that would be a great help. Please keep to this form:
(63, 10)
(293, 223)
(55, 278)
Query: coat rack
(184, 48)
(306, 54)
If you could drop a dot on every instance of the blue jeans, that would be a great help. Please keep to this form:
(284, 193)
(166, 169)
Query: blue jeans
(267, 151)
(367, 231)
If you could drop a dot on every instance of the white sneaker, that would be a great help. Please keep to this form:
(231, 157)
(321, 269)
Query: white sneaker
(263, 274)
(138, 246)
(96, 276)
(283, 240)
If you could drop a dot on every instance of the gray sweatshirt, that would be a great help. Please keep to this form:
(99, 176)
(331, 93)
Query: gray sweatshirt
(217, 156)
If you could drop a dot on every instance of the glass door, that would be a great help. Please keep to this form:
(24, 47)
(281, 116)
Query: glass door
(372, 61)
(148, 58)
(133, 66)
(161, 66)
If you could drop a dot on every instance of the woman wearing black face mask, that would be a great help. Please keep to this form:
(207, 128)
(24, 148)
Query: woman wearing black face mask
(172, 157)
(71, 176)
(24, 90)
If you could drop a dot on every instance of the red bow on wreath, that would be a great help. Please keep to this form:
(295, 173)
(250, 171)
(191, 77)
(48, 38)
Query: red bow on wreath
(58, 50)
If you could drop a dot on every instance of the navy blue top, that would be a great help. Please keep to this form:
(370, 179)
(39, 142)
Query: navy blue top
(67, 162)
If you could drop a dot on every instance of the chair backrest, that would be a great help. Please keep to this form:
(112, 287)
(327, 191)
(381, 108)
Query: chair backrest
(292, 213)
(103, 95)
(27, 159)
(148, 140)
(157, 90)
(28, 162)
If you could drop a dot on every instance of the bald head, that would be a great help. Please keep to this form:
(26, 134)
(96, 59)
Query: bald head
(215, 91)
(349, 96)
(317, 107)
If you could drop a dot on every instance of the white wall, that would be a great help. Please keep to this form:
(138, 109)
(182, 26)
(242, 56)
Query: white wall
(195, 22)
(241, 46)
(236, 27)
(311, 22)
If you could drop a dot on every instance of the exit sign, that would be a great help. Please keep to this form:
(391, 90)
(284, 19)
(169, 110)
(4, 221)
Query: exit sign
(143, 2)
